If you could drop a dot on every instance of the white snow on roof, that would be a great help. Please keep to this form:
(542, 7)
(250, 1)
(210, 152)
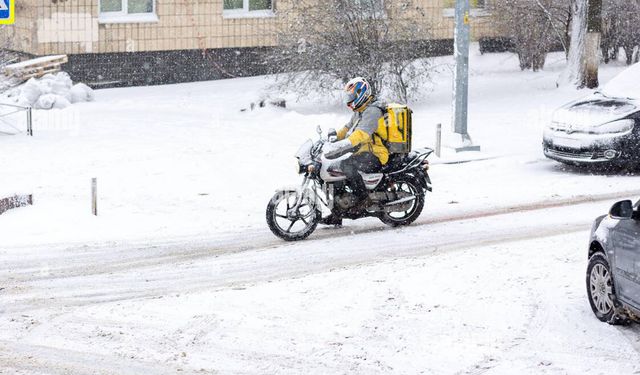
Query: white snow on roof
(625, 84)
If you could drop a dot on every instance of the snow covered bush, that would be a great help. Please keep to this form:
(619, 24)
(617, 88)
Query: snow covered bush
(324, 44)
(535, 26)
(52, 91)
(81, 93)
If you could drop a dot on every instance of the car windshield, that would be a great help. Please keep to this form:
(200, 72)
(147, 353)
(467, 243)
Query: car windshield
(624, 85)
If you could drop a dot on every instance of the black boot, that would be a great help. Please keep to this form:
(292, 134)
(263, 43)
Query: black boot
(332, 220)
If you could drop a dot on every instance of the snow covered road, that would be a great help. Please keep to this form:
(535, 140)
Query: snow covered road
(498, 294)
(254, 254)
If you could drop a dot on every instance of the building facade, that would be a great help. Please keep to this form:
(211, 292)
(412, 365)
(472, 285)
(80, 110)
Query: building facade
(124, 42)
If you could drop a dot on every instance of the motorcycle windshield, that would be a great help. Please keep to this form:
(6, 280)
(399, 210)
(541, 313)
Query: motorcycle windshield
(304, 152)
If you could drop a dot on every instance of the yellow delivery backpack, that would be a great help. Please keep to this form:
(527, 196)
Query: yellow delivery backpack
(395, 128)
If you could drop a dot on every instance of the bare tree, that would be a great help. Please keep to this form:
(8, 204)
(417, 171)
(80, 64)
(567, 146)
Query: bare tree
(325, 43)
(620, 19)
(6, 57)
(592, 44)
(535, 26)
(584, 56)
(5, 43)
(575, 66)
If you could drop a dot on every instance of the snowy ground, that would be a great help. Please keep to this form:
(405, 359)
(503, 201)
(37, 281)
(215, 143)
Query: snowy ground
(496, 295)
(179, 273)
(182, 161)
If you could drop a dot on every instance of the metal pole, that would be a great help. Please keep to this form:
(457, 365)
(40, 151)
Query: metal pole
(439, 140)
(461, 78)
(29, 122)
(94, 196)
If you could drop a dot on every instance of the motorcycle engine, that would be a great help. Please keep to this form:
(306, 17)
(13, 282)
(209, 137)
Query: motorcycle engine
(346, 200)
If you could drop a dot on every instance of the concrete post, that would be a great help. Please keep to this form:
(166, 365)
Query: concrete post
(461, 78)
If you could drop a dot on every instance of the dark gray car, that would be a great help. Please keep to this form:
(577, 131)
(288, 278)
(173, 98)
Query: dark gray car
(601, 129)
(613, 274)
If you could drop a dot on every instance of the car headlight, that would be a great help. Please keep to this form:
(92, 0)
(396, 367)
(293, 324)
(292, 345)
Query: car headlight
(620, 126)
(558, 126)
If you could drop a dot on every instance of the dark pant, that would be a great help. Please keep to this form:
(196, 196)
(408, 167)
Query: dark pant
(365, 162)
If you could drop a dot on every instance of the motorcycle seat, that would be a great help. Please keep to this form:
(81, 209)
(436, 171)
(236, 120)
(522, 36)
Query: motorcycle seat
(396, 162)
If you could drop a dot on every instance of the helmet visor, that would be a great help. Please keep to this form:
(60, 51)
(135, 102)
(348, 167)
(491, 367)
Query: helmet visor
(349, 97)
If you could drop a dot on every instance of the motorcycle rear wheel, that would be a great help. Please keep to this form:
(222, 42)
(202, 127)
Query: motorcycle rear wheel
(397, 219)
(289, 227)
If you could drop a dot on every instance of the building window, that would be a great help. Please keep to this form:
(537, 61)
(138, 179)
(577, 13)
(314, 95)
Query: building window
(479, 8)
(478, 4)
(247, 8)
(125, 11)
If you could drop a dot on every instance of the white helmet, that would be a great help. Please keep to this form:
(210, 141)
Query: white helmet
(358, 93)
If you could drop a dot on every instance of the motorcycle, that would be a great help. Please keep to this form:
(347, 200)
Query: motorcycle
(396, 194)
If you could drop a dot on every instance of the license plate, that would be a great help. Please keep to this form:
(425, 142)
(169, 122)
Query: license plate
(567, 142)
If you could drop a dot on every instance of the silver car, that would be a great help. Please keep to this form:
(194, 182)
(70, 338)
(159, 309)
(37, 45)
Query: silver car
(613, 274)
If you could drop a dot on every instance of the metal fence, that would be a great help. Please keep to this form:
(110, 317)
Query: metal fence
(11, 119)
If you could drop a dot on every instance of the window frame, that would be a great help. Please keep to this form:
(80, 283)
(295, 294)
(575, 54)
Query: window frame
(244, 12)
(124, 16)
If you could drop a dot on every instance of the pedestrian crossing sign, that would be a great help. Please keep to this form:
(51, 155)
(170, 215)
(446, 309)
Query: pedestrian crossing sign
(7, 12)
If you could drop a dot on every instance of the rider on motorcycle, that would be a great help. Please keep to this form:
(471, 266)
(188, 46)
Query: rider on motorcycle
(359, 135)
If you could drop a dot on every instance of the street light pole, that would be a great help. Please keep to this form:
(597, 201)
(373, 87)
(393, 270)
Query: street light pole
(461, 78)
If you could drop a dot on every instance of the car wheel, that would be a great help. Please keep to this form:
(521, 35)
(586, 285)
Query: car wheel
(600, 288)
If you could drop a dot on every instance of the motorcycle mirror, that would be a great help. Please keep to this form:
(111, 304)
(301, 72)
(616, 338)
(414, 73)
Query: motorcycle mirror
(319, 130)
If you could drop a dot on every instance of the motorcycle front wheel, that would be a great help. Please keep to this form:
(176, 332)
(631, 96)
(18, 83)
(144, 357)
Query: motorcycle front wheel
(412, 188)
(288, 225)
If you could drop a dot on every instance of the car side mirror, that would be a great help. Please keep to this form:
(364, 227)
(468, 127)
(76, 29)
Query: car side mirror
(622, 210)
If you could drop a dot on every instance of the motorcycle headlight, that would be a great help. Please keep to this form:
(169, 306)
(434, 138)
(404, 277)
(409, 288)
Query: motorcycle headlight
(300, 169)
(620, 126)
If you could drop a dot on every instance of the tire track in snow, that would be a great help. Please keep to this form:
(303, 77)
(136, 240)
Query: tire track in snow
(230, 243)
(33, 359)
(243, 270)
(105, 277)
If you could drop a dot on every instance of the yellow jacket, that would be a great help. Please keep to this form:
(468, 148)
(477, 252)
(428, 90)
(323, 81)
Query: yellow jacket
(361, 131)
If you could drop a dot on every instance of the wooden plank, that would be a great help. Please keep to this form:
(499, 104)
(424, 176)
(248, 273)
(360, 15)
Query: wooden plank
(40, 61)
(16, 201)
(40, 72)
(36, 67)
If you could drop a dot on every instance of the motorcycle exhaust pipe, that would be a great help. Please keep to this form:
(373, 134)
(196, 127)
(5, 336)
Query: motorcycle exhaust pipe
(400, 201)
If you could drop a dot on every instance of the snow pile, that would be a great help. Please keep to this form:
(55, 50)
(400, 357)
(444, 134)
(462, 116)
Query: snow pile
(51, 91)
(624, 85)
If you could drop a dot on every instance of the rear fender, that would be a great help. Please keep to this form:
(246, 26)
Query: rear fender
(427, 181)
(420, 176)
(423, 178)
